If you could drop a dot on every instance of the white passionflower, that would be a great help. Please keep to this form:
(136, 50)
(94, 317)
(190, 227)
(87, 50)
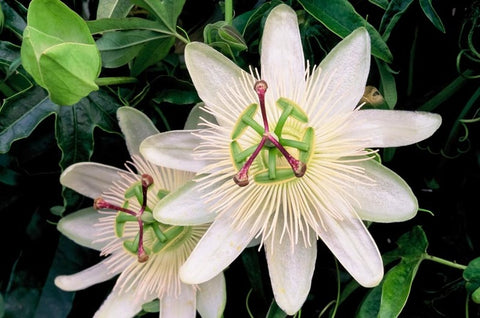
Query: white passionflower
(288, 161)
(145, 253)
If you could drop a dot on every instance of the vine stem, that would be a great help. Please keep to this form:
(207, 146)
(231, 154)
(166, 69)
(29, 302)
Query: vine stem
(228, 11)
(444, 262)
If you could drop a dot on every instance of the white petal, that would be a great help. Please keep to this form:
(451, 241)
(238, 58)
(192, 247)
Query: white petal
(181, 306)
(211, 297)
(390, 199)
(136, 126)
(89, 178)
(213, 76)
(86, 278)
(282, 60)
(290, 269)
(80, 228)
(184, 206)
(353, 246)
(343, 73)
(173, 149)
(393, 128)
(122, 305)
(197, 116)
(218, 248)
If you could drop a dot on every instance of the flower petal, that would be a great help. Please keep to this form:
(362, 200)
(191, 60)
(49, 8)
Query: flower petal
(136, 126)
(80, 228)
(390, 199)
(197, 116)
(88, 277)
(353, 246)
(184, 206)
(282, 60)
(393, 128)
(122, 305)
(341, 76)
(89, 178)
(181, 306)
(173, 149)
(215, 77)
(211, 297)
(217, 249)
(291, 269)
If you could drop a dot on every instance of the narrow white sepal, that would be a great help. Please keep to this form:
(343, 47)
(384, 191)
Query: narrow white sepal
(393, 128)
(343, 73)
(122, 305)
(173, 149)
(89, 178)
(282, 60)
(212, 297)
(218, 248)
(80, 228)
(354, 247)
(184, 206)
(181, 306)
(389, 199)
(136, 126)
(291, 269)
(95, 274)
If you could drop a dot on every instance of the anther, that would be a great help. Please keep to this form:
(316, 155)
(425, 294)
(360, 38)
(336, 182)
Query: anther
(147, 180)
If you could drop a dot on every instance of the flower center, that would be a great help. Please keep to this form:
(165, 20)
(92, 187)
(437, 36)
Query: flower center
(152, 236)
(285, 140)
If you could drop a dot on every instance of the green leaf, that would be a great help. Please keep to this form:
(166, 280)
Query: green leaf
(431, 14)
(395, 9)
(166, 11)
(397, 283)
(119, 48)
(152, 53)
(387, 84)
(123, 24)
(113, 8)
(472, 275)
(340, 17)
(175, 91)
(75, 126)
(59, 52)
(380, 3)
(13, 20)
(21, 114)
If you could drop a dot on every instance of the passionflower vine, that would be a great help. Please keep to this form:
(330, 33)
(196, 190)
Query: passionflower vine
(288, 160)
(145, 253)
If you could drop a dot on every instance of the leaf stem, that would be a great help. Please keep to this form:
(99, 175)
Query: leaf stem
(228, 11)
(103, 81)
(444, 261)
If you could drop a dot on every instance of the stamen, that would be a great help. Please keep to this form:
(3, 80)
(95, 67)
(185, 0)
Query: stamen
(298, 167)
(100, 203)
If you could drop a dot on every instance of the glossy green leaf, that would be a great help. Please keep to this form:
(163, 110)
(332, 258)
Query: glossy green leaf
(340, 17)
(166, 11)
(387, 84)
(113, 8)
(275, 312)
(124, 24)
(396, 285)
(431, 14)
(395, 10)
(75, 126)
(59, 52)
(472, 276)
(119, 48)
(13, 20)
(380, 3)
(21, 114)
(151, 53)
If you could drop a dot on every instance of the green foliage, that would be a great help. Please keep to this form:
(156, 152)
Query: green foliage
(59, 52)
(131, 53)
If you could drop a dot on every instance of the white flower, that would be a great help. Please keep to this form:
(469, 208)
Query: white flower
(288, 163)
(145, 253)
